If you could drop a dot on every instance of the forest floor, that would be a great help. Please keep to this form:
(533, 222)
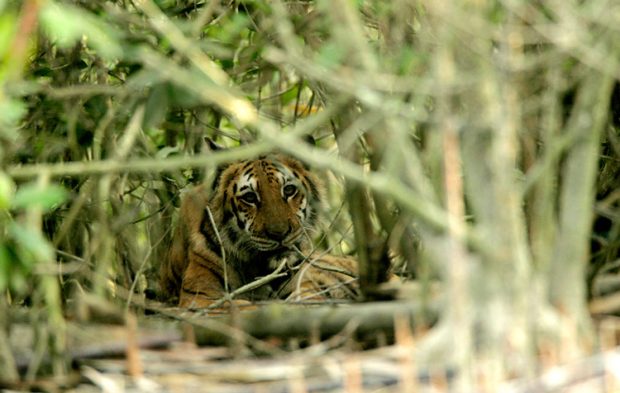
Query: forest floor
(165, 353)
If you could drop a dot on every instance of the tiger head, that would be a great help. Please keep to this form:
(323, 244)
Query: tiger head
(267, 205)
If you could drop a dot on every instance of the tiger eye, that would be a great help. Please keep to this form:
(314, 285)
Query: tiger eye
(289, 190)
(249, 197)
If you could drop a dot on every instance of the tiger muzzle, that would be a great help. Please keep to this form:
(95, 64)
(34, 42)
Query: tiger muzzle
(278, 231)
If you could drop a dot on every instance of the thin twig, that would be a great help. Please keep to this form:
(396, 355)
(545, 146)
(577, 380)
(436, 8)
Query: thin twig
(222, 249)
(252, 285)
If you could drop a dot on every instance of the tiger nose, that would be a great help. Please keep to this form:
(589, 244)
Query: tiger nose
(277, 231)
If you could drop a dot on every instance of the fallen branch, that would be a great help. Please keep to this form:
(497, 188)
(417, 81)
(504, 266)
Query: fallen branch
(287, 321)
(272, 320)
(94, 341)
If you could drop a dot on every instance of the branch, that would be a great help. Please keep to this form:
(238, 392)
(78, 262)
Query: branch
(286, 321)
(139, 165)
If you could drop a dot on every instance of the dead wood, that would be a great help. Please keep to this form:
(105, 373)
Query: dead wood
(288, 321)
(90, 341)
(96, 341)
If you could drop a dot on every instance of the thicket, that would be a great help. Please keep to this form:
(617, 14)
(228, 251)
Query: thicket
(474, 142)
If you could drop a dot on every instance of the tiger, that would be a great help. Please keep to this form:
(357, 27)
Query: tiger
(254, 219)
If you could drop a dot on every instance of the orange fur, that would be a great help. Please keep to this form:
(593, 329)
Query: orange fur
(261, 211)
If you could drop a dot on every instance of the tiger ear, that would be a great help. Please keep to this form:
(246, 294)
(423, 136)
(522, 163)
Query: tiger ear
(211, 145)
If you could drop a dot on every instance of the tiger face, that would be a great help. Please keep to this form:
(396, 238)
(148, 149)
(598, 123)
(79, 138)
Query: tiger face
(269, 205)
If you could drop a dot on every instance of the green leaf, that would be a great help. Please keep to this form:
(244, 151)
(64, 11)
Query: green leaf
(330, 55)
(67, 24)
(406, 61)
(6, 260)
(156, 106)
(7, 190)
(7, 30)
(12, 112)
(34, 196)
(231, 30)
(167, 151)
(33, 246)
(181, 97)
(289, 95)
(144, 78)
(12, 273)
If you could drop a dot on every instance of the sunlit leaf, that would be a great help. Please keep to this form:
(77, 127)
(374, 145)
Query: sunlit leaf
(7, 190)
(289, 95)
(7, 30)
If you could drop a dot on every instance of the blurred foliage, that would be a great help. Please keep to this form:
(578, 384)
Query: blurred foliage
(84, 82)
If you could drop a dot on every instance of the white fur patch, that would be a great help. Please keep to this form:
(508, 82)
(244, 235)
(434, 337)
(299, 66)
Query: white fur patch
(246, 181)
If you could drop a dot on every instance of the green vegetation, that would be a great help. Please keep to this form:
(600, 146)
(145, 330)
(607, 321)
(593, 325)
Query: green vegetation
(474, 142)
